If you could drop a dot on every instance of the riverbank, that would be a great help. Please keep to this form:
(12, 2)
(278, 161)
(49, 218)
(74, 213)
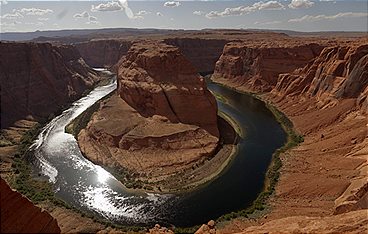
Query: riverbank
(259, 205)
(182, 181)
(314, 174)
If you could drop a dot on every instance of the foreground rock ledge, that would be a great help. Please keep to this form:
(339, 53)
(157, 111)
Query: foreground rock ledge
(19, 215)
(160, 132)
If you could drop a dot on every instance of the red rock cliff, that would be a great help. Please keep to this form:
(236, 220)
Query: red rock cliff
(258, 66)
(156, 79)
(37, 79)
(339, 72)
(104, 52)
(19, 215)
(202, 53)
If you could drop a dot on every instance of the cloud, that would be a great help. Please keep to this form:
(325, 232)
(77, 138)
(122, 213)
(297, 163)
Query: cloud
(13, 23)
(198, 13)
(128, 11)
(142, 13)
(172, 4)
(311, 18)
(243, 10)
(298, 4)
(34, 11)
(92, 18)
(84, 14)
(109, 6)
(159, 14)
(3, 2)
(42, 19)
(268, 23)
(270, 5)
(115, 6)
(35, 23)
(15, 15)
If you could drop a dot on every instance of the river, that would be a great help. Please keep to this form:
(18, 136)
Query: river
(90, 188)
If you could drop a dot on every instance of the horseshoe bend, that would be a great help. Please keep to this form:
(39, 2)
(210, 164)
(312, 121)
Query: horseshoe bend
(128, 130)
(161, 125)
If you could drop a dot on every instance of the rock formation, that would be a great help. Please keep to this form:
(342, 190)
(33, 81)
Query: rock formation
(104, 52)
(19, 215)
(163, 121)
(202, 53)
(337, 76)
(258, 65)
(327, 102)
(155, 79)
(339, 72)
(38, 79)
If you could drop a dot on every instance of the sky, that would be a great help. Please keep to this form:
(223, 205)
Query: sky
(298, 15)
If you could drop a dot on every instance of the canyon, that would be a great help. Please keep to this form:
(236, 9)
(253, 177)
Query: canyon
(162, 116)
(320, 84)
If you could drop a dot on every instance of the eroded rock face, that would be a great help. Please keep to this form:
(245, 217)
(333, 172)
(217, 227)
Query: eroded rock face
(19, 215)
(339, 72)
(37, 79)
(202, 53)
(103, 53)
(156, 79)
(258, 66)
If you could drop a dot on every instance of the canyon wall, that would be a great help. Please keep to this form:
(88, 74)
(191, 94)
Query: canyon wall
(335, 86)
(326, 99)
(258, 65)
(104, 52)
(38, 79)
(339, 72)
(19, 215)
(202, 53)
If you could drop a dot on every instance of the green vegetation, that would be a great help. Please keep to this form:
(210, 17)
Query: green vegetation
(36, 190)
(187, 230)
(4, 141)
(219, 97)
(81, 121)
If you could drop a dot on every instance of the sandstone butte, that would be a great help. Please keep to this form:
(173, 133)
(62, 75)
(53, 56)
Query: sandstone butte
(162, 121)
(38, 79)
(19, 215)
